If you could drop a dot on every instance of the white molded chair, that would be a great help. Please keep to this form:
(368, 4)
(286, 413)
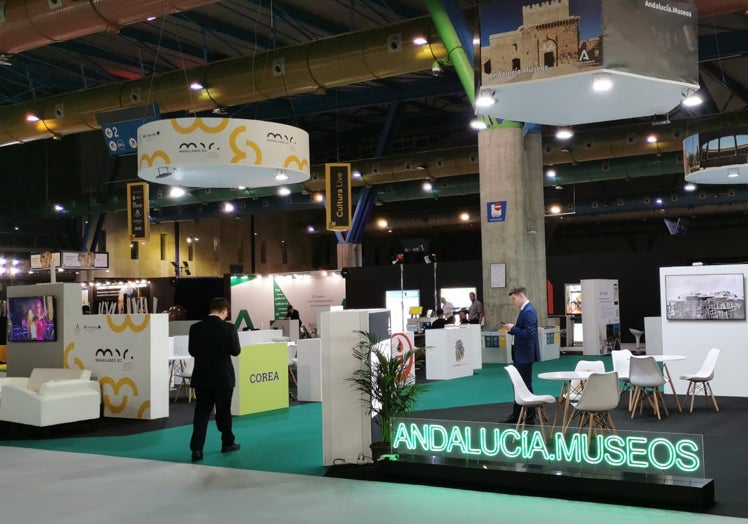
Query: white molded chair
(528, 400)
(576, 386)
(185, 374)
(699, 381)
(637, 335)
(621, 365)
(599, 396)
(646, 378)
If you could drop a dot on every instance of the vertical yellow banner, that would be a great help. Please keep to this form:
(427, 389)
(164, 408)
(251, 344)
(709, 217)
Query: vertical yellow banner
(338, 189)
(138, 211)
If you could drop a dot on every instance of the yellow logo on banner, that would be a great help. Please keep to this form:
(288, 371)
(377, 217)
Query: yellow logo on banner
(127, 323)
(78, 362)
(125, 381)
(303, 164)
(150, 159)
(240, 154)
(201, 125)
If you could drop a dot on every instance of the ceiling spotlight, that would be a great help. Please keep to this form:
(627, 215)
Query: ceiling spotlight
(555, 209)
(464, 216)
(228, 207)
(318, 197)
(382, 223)
(150, 19)
(658, 201)
(651, 138)
(177, 192)
(31, 117)
(356, 173)
(281, 175)
(196, 86)
(427, 186)
(564, 133)
(59, 208)
(310, 229)
(241, 188)
(283, 191)
(690, 187)
(551, 173)
(691, 98)
(420, 40)
(602, 82)
(478, 124)
(486, 98)
(732, 172)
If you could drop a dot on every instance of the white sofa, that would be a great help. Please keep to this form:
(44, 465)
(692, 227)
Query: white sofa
(50, 396)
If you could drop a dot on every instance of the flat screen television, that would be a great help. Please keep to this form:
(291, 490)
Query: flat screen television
(31, 319)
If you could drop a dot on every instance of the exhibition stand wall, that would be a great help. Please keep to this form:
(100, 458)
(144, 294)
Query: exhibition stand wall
(601, 319)
(346, 427)
(129, 356)
(653, 335)
(693, 318)
(309, 370)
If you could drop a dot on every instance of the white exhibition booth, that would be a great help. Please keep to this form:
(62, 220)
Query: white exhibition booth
(601, 317)
(694, 338)
(453, 352)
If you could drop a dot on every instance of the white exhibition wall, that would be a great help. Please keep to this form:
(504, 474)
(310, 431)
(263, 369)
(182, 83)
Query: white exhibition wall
(694, 338)
(262, 299)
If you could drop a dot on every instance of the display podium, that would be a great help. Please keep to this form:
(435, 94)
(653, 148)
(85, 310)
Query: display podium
(261, 378)
(346, 426)
(448, 352)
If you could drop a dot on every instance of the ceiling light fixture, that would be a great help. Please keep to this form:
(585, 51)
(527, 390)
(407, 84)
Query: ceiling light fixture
(31, 117)
(564, 133)
(651, 138)
(382, 223)
(732, 172)
(420, 40)
(59, 208)
(486, 98)
(691, 98)
(555, 209)
(281, 175)
(689, 187)
(551, 173)
(318, 197)
(464, 216)
(602, 82)
(283, 191)
(426, 186)
(177, 192)
(478, 124)
(356, 173)
(228, 207)
(196, 86)
(310, 229)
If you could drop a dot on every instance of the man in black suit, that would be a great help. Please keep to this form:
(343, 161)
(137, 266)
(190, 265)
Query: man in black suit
(526, 346)
(212, 342)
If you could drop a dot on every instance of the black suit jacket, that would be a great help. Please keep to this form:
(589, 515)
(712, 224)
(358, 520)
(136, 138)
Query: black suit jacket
(212, 342)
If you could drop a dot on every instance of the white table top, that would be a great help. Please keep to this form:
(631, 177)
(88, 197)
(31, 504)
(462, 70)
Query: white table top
(565, 375)
(665, 358)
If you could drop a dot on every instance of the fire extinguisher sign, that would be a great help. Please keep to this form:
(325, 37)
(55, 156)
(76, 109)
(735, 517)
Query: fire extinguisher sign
(496, 211)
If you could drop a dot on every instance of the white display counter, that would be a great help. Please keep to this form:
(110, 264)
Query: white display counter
(448, 352)
(550, 342)
(496, 347)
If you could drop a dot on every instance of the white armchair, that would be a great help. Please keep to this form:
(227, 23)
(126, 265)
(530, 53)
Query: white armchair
(51, 396)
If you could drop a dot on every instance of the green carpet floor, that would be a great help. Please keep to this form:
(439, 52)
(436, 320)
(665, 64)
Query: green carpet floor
(290, 440)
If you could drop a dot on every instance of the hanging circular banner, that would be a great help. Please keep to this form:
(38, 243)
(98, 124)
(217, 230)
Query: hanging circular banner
(222, 152)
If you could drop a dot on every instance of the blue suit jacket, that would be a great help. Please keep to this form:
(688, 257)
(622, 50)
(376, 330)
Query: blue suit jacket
(526, 348)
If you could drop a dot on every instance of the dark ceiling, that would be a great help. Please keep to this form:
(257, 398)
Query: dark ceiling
(604, 172)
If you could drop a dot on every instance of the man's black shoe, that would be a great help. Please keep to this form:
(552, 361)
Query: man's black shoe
(511, 419)
(197, 455)
(233, 447)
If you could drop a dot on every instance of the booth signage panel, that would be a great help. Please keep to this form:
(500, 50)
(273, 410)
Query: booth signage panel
(45, 260)
(604, 453)
(129, 361)
(84, 260)
(496, 212)
(263, 378)
(138, 211)
(338, 187)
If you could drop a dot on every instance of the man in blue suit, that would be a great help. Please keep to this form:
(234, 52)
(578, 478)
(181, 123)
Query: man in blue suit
(526, 347)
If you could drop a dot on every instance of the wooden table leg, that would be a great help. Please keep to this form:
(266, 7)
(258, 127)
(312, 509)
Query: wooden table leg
(672, 386)
(558, 403)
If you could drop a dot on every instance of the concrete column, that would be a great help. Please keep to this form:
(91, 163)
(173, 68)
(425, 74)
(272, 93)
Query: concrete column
(511, 169)
(349, 255)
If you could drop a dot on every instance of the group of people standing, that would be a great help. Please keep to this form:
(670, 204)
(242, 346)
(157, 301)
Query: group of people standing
(446, 313)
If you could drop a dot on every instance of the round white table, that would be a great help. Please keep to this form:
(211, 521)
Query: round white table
(566, 378)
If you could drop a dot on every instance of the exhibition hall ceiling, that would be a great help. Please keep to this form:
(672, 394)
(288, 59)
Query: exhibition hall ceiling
(401, 120)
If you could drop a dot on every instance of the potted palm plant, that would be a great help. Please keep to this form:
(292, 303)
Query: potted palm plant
(386, 390)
